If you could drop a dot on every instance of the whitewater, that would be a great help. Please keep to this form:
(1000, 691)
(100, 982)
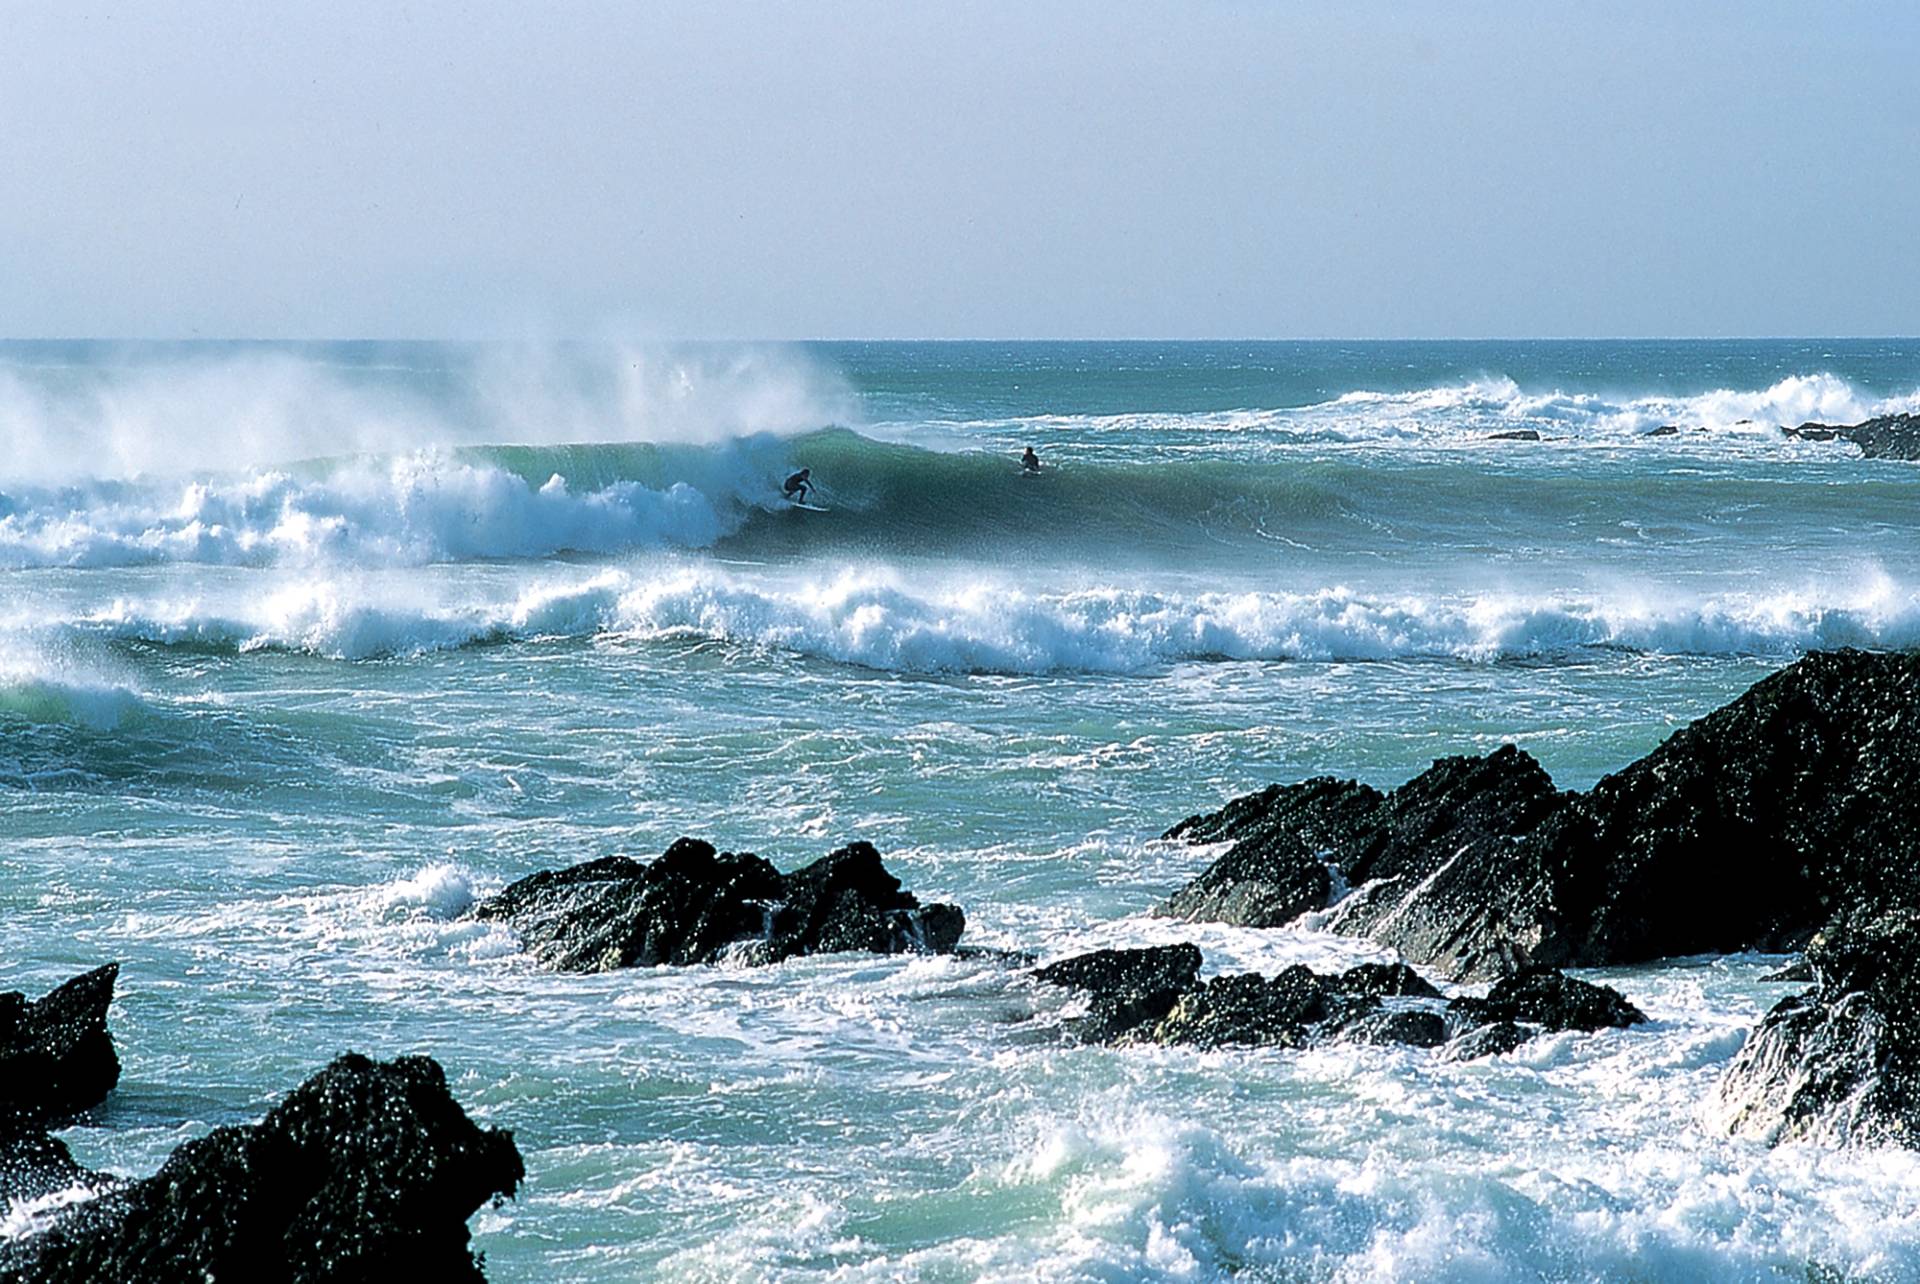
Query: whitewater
(304, 648)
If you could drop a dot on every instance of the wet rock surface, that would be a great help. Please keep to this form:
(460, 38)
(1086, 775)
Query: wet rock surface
(695, 905)
(369, 1170)
(1886, 437)
(1840, 1063)
(1155, 996)
(56, 1055)
(1747, 829)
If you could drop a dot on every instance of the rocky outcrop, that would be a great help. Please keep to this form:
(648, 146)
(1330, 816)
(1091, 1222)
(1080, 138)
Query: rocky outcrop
(1746, 829)
(1155, 996)
(695, 905)
(56, 1056)
(369, 1170)
(1839, 1064)
(1887, 437)
(1553, 1000)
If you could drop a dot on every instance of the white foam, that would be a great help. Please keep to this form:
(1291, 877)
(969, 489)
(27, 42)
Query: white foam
(883, 621)
(439, 892)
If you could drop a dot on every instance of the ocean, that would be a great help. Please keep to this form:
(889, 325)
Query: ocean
(305, 647)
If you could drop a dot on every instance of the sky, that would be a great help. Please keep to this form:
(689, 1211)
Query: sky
(580, 169)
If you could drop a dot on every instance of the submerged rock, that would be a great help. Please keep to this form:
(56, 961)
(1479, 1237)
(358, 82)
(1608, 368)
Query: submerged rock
(1515, 434)
(369, 1170)
(1746, 830)
(56, 1056)
(695, 905)
(1885, 437)
(1839, 1064)
(1155, 996)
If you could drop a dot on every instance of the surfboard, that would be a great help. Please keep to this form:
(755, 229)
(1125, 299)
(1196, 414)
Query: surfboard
(811, 508)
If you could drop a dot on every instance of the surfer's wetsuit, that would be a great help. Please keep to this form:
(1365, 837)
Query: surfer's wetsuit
(797, 486)
(1030, 461)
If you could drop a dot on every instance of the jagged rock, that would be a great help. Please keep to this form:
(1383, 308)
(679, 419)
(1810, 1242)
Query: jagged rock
(1381, 979)
(1543, 997)
(1745, 830)
(1515, 434)
(1416, 1027)
(1839, 1064)
(694, 905)
(1276, 869)
(1155, 996)
(56, 1056)
(1247, 1010)
(1128, 988)
(1495, 1039)
(366, 1171)
(1664, 430)
(1885, 437)
(1798, 972)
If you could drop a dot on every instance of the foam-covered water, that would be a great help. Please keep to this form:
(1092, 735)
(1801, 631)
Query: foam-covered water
(303, 649)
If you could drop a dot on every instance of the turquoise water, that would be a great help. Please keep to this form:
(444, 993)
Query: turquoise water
(303, 647)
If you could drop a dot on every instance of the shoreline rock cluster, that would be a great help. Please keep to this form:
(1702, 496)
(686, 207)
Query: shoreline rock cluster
(1790, 816)
(695, 905)
(368, 1170)
(1884, 437)
(1747, 829)
(1155, 996)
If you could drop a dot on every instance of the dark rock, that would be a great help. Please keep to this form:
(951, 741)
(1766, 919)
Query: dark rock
(1247, 1009)
(694, 905)
(1494, 1039)
(1417, 1027)
(1378, 979)
(1839, 1064)
(34, 1164)
(1886, 437)
(1276, 869)
(1128, 988)
(1543, 997)
(1799, 972)
(1515, 434)
(1745, 830)
(56, 1056)
(1664, 430)
(366, 1171)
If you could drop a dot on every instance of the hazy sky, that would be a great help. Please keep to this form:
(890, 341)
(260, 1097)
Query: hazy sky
(920, 169)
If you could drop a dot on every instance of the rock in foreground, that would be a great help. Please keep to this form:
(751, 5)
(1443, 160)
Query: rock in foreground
(1747, 829)
(696, 905)
(367, 1171)
(1155, 996)
(56, 1056)
(1839, 1064)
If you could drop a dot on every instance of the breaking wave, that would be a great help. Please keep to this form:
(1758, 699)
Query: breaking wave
(886, 622)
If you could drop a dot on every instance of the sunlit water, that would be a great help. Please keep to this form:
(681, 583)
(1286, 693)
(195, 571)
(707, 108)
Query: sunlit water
(274, 714)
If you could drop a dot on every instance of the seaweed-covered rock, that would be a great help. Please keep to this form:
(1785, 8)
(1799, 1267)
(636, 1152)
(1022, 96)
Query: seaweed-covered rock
(366, 1171)
(1747, 829)
(1839, 1063)
(56, 1055)
(695, 904)
(1126, 988)
(1550, 999)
